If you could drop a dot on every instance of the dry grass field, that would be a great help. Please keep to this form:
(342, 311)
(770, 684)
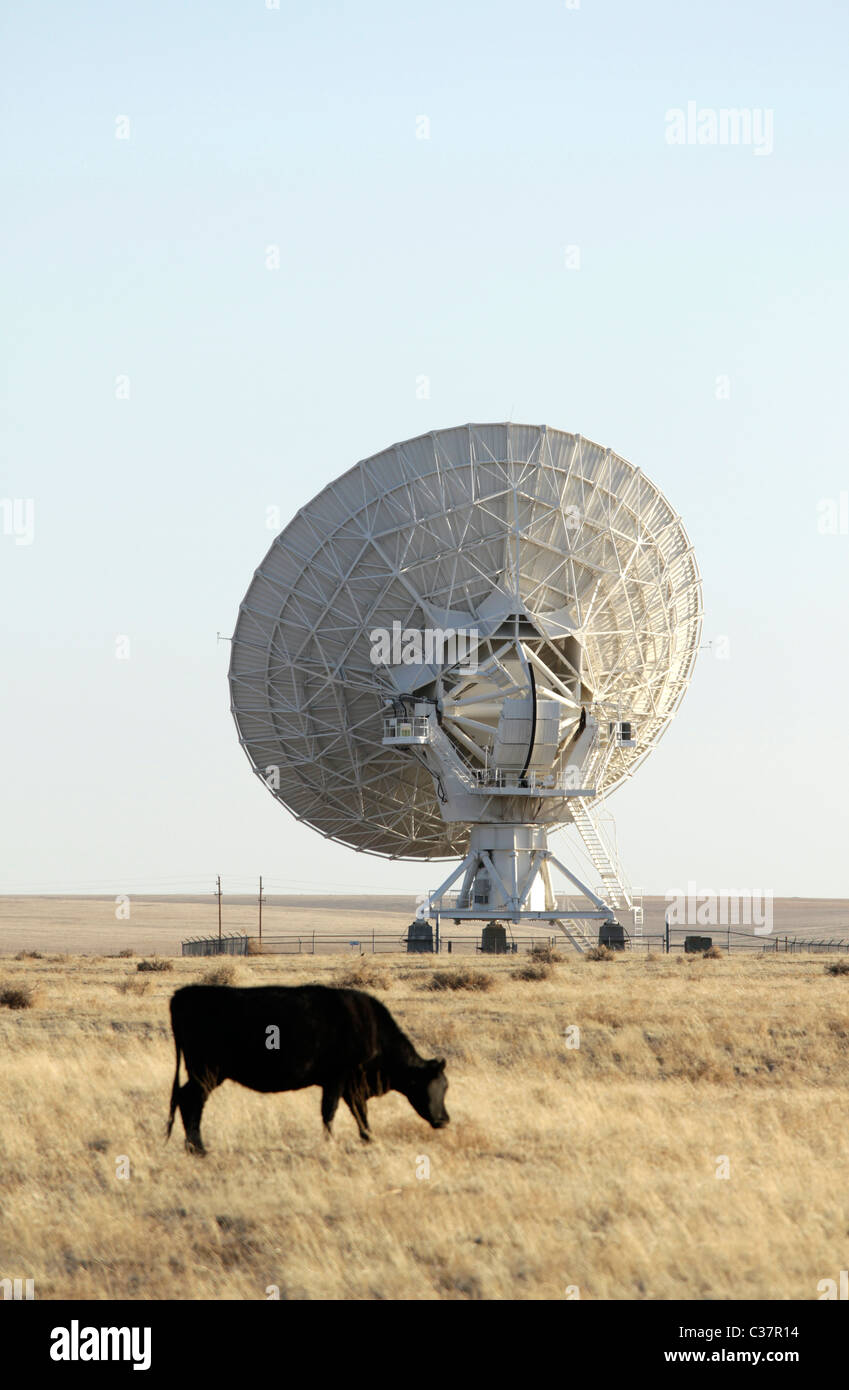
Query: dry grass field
(593, 1166)
(84, 925)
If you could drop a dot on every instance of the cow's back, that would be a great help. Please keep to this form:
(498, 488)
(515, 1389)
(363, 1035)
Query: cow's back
(276, 1037)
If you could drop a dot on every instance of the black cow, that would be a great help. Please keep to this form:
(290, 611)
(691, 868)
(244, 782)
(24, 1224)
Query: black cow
(276, 1038)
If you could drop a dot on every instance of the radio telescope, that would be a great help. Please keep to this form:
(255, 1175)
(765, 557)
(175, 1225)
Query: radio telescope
(462, 644)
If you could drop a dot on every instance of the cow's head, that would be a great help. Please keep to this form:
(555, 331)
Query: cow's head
(425, 1090)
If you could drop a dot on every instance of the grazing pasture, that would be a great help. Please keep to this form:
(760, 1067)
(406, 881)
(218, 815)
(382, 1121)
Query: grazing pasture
(591, 1167)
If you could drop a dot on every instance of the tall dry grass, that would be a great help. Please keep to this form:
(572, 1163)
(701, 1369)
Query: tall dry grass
(591, 1165)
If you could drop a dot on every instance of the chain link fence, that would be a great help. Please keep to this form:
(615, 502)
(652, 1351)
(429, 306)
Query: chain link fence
(730, 940)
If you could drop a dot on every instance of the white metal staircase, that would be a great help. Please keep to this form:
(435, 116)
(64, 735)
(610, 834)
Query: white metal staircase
(616, 891)
(577, 934)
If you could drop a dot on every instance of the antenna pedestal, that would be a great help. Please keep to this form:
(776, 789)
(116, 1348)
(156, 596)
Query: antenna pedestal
(507, 875)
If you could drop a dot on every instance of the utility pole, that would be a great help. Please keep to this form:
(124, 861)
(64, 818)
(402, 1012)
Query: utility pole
(260, 909)
(218, 890)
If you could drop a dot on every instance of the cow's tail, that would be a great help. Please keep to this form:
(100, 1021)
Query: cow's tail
(175, 1089)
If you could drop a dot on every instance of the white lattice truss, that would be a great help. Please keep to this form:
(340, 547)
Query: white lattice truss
(505, 521)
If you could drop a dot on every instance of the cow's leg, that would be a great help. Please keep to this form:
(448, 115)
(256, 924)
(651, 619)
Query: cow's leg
(191, 1102)
(355, 1100)
(330, 1097)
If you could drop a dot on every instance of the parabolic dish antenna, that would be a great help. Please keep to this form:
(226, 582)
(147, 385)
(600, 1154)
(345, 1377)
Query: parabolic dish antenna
(461, 644)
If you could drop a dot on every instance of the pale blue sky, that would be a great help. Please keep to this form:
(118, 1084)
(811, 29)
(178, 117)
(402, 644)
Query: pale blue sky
(403, 257)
